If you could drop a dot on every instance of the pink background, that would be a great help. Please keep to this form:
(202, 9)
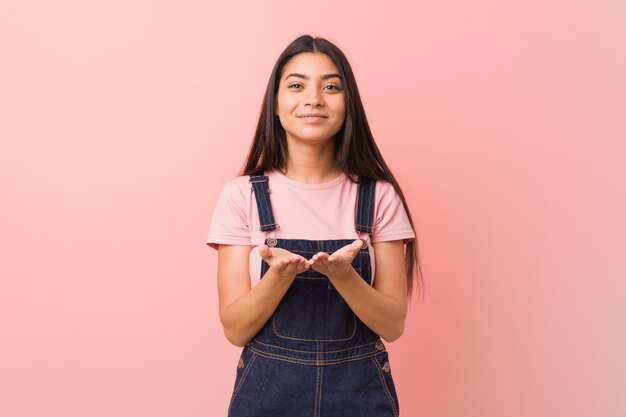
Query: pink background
(503, 121)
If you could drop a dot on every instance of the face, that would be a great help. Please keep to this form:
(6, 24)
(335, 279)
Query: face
(310, 84)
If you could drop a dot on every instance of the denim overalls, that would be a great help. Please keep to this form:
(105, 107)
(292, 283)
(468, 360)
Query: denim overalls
(314, 357)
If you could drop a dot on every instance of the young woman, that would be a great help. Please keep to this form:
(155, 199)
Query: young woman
(312, 270)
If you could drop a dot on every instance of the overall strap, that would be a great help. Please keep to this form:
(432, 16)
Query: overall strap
(365, 207)
(262, 194)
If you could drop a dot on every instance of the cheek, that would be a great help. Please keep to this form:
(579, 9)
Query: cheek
(341, 109)
(287, 107)
(341, 115)
(283, 103)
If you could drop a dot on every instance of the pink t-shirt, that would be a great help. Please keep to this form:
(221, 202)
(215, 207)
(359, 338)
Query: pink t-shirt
(304, 211)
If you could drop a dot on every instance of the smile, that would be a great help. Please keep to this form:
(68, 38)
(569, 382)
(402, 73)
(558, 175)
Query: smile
(312, 119)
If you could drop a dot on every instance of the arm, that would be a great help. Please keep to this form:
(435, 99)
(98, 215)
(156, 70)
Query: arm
(244, 311)
(383, 306)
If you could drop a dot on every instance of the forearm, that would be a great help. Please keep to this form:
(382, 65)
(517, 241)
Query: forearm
(243, 318)
(383, 314)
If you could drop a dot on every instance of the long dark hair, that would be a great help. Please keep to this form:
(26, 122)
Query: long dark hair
(356, 152)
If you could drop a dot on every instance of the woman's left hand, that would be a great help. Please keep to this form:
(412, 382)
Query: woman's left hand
(337, 264)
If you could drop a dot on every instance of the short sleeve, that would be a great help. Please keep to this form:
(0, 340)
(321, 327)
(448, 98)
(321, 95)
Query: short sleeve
(229, 224)
(391, 220)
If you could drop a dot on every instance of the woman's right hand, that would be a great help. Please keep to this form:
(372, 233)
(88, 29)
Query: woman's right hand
(285, 263)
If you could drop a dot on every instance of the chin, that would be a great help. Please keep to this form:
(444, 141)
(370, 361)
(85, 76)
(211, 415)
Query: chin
(315, 137)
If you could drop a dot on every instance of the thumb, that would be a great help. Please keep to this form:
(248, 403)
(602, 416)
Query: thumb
(264, 251)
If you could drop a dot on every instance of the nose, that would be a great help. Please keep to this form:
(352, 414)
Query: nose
(314, 97)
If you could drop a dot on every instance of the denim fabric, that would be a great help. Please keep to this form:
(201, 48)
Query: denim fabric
(314, 357)
(365, 202)
(261, 193)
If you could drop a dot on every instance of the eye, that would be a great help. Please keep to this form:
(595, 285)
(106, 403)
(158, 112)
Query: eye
(332, 86)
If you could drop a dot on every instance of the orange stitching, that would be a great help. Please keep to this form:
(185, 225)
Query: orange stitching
(314, 361)
(316, 340)
(384, 383)
(308, 351)
(243, 377)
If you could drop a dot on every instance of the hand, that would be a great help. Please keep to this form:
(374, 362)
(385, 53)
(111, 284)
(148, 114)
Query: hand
(285, 263)
(337, 264)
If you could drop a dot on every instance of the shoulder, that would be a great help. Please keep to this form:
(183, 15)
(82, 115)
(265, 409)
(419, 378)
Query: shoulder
(384, 187)
(385, 194)
(238, 186)
(236, 194)
(240, 181)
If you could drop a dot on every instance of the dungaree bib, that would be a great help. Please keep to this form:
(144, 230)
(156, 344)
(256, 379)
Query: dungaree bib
(314, 357)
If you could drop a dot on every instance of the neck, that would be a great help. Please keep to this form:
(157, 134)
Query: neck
(311, 164)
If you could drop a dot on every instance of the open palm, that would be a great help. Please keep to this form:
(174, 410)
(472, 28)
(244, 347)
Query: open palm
(339, 262)
(284, 262)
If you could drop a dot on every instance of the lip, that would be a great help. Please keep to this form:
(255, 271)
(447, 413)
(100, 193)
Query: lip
(313, 118)
(312, 115)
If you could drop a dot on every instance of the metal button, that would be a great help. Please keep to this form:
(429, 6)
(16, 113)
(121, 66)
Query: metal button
(386, 367)
(240, 365)
(379, 345)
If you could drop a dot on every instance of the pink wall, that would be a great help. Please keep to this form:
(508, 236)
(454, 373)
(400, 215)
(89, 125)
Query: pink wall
(121, 120)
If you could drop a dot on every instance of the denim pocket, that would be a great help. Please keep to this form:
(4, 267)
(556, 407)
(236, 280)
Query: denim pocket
(313, 310)
(381, 361)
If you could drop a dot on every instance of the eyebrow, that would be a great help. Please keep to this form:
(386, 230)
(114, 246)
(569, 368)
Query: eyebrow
(306, 77)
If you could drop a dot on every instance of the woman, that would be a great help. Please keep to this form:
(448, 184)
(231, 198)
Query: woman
(312, 271)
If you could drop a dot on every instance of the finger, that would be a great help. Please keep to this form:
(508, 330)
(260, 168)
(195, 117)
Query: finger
(322, 264)
(291, 268)
(286, 263)
(264, 251)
